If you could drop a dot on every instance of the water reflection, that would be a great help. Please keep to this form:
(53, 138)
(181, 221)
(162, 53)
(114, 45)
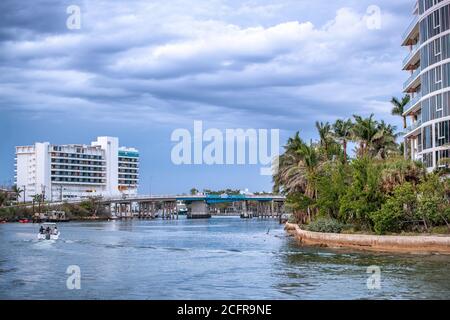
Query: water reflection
(220, 258)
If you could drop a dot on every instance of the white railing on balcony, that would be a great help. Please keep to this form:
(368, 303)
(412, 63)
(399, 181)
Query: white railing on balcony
(413, 76)
(414, 126)
(413, 51)
(413, 101)
(410, 27)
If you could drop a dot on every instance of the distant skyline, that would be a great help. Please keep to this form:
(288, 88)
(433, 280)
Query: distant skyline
(140, 69)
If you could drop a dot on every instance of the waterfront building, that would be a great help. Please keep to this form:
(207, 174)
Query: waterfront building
(427, 138)
(76, 171)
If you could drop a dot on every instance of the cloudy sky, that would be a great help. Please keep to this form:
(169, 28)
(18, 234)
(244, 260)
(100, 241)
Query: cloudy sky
(141, 69)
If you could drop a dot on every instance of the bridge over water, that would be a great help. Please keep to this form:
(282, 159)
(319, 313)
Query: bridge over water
(265, 205)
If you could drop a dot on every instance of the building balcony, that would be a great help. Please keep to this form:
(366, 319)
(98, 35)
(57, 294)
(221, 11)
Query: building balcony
(413, 104)
(79, 183)
(410, 36)
(133, 161)
(413, 81)
(412, 59)
(413, 129)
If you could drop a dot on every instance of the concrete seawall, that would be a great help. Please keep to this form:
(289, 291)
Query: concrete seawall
(404, 244)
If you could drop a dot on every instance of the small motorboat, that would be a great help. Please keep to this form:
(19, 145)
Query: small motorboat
(48, 231)
(24, 221)
(246, 215)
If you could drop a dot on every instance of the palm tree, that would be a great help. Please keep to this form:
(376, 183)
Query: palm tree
(3, 198)
(384, 142)
(299, 170)
(288, 175)
(343, 133)
(16, 191)
(37, 198)
(325, 134)
(309, 165)
(398, 171)
(363, 132)
(399, 107)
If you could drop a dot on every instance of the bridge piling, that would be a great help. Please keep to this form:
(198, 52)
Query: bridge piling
(153, 213)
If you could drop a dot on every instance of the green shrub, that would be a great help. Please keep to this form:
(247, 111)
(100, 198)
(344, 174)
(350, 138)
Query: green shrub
(74, 211)
(292, 219)
(363, 196)
(325, 225)
(14, 213)
(331, 187)
(433, 206)
(398, 209)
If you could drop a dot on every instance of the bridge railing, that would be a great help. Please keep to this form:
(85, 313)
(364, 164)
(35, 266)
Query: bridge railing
(183, 197)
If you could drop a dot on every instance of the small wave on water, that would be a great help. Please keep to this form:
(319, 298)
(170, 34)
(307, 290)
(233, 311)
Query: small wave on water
(145, 247)
(18, 283)
(175, 249)
(7, 270)
(44, 244)
(115, 246)
(26, 235)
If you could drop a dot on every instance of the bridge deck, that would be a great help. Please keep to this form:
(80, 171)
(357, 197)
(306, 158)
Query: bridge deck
(189, 198)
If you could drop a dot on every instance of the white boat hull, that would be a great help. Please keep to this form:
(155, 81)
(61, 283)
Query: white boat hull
(43, 236)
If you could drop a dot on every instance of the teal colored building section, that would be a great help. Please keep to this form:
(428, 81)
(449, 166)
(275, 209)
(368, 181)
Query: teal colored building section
(128, 154)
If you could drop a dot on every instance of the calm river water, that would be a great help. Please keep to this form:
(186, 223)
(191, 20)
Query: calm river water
(219, 258)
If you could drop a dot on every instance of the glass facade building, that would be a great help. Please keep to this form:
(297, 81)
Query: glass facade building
(428, 38)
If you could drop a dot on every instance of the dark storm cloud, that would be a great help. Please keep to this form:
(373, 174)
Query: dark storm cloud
(23, 20)
(177, 60)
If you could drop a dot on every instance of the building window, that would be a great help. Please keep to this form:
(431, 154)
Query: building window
(442, 158)
(427, 138)
(428, 160)
(442, 133)
(437, 47)
(438, 75)
(436, 20)
(419, 142)
(439, 106)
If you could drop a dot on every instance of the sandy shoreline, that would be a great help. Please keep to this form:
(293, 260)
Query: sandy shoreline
(400, 244)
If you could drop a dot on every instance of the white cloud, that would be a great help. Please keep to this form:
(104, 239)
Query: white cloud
(183, 60)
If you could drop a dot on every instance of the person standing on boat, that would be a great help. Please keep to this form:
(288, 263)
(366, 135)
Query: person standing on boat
(55, 230)
(41, 230)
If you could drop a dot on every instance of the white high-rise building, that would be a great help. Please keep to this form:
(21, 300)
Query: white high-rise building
(428, 62)
(73, 171)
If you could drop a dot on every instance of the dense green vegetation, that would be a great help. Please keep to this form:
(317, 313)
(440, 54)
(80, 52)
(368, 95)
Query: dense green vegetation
(87, 209)
(377, 190)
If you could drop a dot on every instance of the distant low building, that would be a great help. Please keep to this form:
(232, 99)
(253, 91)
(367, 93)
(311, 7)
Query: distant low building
(76, 171)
